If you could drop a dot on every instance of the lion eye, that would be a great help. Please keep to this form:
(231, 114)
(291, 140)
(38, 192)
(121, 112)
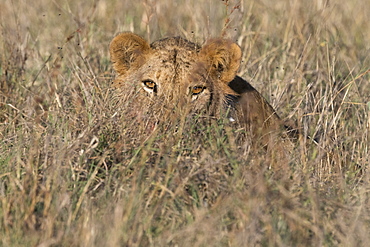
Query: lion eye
(197, 90)
(150, 86)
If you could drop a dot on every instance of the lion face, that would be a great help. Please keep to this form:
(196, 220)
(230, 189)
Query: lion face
(172, 78)
(176, 73)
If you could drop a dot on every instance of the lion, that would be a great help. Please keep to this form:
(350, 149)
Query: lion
(185, 77)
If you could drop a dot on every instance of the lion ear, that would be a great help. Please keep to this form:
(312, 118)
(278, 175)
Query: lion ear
(128, 50)
(222, 58)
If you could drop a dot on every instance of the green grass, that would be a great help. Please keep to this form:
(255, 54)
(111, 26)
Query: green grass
(75, 170)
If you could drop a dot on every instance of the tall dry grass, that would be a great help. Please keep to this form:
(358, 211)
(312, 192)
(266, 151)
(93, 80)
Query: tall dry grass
(75, 171)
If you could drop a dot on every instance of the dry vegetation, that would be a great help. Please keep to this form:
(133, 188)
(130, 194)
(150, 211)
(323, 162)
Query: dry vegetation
(75, 171)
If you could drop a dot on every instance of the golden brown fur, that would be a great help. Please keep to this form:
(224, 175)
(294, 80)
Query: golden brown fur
(182, 75)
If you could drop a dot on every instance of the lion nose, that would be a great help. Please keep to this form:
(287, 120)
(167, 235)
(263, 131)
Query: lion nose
(175, 101)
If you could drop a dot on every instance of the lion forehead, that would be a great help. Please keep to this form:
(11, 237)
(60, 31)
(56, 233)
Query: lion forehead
(174, 51)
